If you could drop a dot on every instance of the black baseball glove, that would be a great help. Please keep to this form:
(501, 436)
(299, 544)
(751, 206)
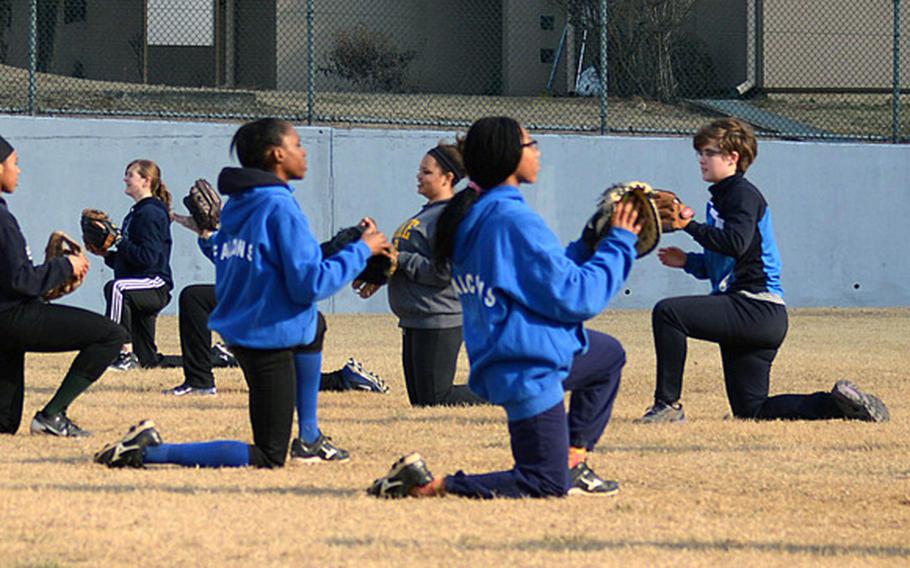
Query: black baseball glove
(204, 204)
(99, 233)
(642, 196)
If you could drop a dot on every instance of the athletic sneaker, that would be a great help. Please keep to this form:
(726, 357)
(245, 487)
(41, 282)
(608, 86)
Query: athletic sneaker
(57, 425)
(356, 377)
(127, 452)
(586, 482)
(857, 405)
(662, 412)
(406, 473)
(222, 356)
(320, 451)
(126, 361)
(185, 389)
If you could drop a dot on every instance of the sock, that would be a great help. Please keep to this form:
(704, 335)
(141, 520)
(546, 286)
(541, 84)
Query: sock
(577, 456)
(72, 386)
(220, 453)
(333, 381)
(307, 367)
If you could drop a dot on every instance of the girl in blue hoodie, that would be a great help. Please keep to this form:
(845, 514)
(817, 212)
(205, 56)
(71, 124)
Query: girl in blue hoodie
(269, 275)
(524, 299)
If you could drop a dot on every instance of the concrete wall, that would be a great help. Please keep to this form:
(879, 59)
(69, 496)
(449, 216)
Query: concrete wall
(839, 247)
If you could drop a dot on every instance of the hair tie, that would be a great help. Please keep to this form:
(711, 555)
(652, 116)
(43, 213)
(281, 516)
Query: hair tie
(473, 186)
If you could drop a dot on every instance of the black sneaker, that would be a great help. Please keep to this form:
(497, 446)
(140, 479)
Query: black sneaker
(127, 452)
(222, 356)
(408, 472)
(185, 389)
(662, 413)
(126, 361)
(320, 451)
(586, 482)
(356, 377)
(858, 405)
(57, 425)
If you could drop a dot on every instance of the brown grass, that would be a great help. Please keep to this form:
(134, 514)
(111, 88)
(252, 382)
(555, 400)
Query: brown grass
(708, 492)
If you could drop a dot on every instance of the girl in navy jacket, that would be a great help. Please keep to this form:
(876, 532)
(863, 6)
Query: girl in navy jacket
(269, 275)
(28, 323)
(524, 299)
(745, 312)
(142, 281)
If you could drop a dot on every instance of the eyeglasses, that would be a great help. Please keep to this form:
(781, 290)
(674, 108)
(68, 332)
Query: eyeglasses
(531, 144)
(709, 152)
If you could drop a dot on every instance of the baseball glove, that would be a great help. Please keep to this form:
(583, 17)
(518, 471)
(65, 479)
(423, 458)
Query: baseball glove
(674, 214)
(204, 204)
(99, 233)
(641, 195)
(60, 244)
(342, 238)
(379, 269)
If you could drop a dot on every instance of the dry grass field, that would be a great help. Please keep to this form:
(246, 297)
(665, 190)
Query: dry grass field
(709, 492)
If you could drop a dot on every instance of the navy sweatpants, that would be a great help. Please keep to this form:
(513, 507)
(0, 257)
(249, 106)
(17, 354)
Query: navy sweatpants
(540, 444)
(749, 333)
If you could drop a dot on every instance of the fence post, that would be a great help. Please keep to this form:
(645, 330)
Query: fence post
(310, 63)
(32, 54)
(603, 67)
(896, 79)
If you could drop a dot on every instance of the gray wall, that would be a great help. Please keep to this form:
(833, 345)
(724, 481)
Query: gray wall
(839, 247)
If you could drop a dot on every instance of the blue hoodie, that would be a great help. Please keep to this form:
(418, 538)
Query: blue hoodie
(269, 270)
(145, 250)
(525, 298)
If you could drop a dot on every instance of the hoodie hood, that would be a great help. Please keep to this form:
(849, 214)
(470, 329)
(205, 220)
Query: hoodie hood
(235, 180)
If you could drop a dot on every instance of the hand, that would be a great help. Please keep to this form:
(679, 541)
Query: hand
(80, 265)
(373, 238)
(363, 289)
(672, 256)
(186, 221)
(626, 217)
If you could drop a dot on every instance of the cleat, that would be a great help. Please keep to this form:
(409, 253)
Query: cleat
(662, 413)
(858, 405)
(127, 452)
(125, 362)
(320, 451)
(356, 377)
(185, 389)
(586, 482)
(407, 473)
(222, 356)
(57, 425)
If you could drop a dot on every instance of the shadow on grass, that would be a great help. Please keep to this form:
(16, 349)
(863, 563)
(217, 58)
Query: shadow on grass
(184, 489)
(597, 545)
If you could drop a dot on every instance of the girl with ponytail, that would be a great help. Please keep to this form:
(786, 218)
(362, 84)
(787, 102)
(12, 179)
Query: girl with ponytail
(524, 299)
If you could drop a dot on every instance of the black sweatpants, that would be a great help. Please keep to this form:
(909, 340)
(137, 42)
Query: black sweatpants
(749, 333)
(134, 303)
(49, 328)
(429, 358)
(272, 379)
(196, 304)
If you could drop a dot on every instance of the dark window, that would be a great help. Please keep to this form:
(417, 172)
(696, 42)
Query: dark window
(547, 23)
(74, 11)
(547, 55)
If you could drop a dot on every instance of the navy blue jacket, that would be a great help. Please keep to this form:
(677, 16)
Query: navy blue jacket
(740, 249)
(20, 280)
(145, 250)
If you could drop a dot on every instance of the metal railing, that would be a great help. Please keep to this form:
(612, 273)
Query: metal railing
(801, 69)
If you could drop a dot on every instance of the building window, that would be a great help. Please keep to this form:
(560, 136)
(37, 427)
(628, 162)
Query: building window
(74, 11)
(547, 23)
(547, 55)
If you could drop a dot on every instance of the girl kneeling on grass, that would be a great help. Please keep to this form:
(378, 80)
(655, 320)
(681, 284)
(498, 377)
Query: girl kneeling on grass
(269, 274)
(524, 299)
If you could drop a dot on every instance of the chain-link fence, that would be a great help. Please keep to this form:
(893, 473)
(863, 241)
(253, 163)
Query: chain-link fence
(806, 69)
